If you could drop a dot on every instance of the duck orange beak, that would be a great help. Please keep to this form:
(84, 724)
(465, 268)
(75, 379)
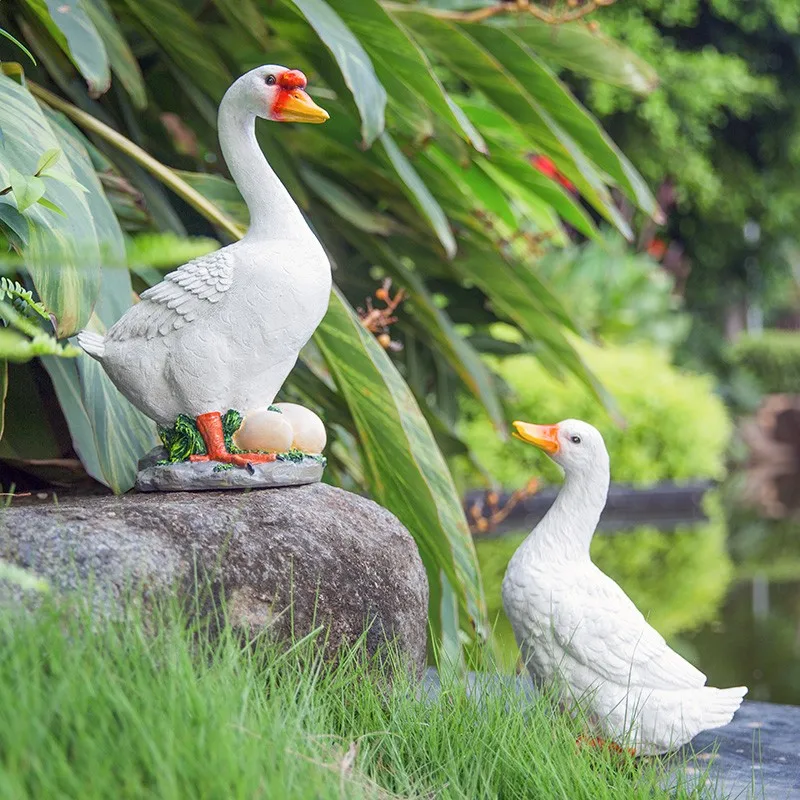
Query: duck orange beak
(545, 437)
(294, 105)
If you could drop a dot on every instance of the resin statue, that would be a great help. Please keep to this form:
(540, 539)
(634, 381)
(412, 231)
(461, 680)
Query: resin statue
(206, 350)
(578, 631)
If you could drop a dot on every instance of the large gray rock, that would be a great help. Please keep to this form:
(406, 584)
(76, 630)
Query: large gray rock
(344, 561)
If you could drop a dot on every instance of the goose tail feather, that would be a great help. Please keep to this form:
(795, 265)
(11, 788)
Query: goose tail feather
(92, 343)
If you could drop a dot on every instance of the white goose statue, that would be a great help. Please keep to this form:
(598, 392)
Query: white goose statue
(578, 631)
(224, 331)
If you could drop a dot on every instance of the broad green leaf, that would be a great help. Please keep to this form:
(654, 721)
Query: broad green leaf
(483, 70)
(47, 159)
(27, 189)
(14, 224)
(526, 184)
(519, 178)
(183, 41)
(123, 63)
(61, 254)
(121, 433)
(520, 61)
(354, 63)
(584, 51)
(67, 385)
(70, 26)
(482, 193)
(6, 35)
(346, 206)
(396, 56)
(402, 463)
(246, 15)
(43, 201)
(419, 194)
(458, 353)
(220, 191)
(519, 296)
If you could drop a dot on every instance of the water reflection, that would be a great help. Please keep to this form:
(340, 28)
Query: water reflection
(724, 592)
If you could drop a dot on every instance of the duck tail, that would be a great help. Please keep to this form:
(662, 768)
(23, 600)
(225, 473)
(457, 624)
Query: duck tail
(720, 705)
(92, 343)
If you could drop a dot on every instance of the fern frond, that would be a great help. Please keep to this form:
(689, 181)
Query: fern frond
(21, 298)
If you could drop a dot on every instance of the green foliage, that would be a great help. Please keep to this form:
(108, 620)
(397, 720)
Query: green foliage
(616, 295)
(192, 718)
(182, 440)
(674, 427)
(772, 357)
(21, 336)
(165, 250)
(677, 579)
(231, 422)
(722, 126)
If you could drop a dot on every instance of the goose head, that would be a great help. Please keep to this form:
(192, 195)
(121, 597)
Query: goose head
(278, 94)
(576, 446)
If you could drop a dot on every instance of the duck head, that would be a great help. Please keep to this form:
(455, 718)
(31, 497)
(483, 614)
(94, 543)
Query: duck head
(576, 446)
(278, 94)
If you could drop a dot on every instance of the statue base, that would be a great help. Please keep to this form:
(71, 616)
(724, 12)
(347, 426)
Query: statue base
(186, 476)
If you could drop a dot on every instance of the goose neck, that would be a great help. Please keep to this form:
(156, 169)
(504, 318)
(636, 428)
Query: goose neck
(273, 213)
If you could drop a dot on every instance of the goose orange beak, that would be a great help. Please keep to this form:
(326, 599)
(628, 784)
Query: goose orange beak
(295, 105)
(545, 437)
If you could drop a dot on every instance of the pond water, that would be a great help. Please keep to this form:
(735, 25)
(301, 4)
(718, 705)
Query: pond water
(725, 592)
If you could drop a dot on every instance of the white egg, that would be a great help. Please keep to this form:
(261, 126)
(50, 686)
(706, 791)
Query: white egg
(309, 430)
(263, 429)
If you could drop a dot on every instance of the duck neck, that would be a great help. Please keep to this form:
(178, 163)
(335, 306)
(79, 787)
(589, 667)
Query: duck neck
(565, 533)
(273, 213)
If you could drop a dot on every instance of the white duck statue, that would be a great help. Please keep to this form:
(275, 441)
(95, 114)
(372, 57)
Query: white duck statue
(224, 331)
(581, 634)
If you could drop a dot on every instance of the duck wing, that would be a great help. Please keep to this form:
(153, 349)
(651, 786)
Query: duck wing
(184, 295)
(597, 624)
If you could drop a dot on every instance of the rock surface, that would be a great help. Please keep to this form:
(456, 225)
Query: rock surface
(344, 561)
(208, 476)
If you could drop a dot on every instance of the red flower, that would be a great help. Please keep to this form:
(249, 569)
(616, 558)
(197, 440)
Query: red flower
(548, 168)
(656, 248)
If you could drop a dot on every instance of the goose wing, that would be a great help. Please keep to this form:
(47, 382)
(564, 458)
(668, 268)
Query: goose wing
(597, 625)
(183, 296)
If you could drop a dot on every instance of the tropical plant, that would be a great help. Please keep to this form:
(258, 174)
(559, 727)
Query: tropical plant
(617, 295)
(422, 175)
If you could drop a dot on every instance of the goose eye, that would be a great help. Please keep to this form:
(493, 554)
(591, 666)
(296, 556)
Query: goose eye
(575, 439)
(270, 80)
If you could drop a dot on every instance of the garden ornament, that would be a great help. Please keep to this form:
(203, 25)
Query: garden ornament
(205, 351)
(578, 631)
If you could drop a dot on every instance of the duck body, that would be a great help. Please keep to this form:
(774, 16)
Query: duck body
(581, 634)
(223, 331)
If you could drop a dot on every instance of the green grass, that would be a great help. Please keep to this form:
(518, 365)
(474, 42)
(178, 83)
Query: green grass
(110, 711)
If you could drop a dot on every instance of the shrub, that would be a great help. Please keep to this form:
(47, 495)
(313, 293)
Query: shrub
(617, 295)
(773, 358)
(674, 427)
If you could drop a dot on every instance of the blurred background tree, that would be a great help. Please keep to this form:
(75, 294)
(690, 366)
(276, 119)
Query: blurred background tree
(720, 135)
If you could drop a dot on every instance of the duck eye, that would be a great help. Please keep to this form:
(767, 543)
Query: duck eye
(575, 439)
(270, 80)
